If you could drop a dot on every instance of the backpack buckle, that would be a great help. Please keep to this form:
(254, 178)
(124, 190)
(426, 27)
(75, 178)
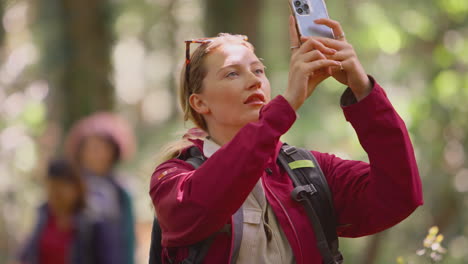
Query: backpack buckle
(289, 150)
(296, 193)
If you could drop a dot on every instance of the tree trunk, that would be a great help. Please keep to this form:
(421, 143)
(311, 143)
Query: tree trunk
(173, 52)
(2, 30)
(77, 47)
(86, 84)
(237, 17)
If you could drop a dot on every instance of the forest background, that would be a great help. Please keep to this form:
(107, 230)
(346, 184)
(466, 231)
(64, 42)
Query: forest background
(63, 59)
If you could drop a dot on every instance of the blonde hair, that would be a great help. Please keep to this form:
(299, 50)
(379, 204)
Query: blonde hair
(196, 75)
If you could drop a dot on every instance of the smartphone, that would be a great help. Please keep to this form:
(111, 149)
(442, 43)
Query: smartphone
(305, 12)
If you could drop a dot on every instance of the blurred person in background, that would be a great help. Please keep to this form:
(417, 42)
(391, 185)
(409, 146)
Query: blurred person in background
(63, 232)
(97, 144)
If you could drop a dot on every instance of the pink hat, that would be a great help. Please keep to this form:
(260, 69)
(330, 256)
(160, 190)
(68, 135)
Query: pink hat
(101, 124)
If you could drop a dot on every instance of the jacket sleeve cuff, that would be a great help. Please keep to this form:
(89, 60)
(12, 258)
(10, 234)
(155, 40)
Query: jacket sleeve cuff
(279, 114)
(363, 114)
(348, 98)
(370, 106)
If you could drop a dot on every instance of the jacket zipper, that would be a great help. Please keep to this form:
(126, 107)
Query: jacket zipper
(287, 216)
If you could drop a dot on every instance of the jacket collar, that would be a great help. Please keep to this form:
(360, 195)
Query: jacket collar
(210, 147)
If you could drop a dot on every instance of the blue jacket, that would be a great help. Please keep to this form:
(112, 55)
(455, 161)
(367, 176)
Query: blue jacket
(98, 240)
(82, 245)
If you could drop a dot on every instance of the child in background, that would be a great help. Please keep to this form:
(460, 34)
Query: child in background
(62, 232)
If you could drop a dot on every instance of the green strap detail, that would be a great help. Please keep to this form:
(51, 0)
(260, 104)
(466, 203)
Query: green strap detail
(301, 164)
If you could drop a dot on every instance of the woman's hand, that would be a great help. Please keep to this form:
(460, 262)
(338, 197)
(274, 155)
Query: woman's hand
(310, 64)
(351, 72)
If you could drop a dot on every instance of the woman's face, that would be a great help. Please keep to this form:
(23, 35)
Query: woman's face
(234, 89)
(97, 155)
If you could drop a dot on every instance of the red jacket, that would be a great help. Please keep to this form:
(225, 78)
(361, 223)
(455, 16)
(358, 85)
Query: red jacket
(368, 198)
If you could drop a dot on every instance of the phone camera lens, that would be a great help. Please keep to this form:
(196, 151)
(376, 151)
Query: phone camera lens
(300, 11)
(297, 3)
(306, 7)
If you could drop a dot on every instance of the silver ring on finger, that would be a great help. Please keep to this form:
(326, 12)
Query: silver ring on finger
(340, 37)
(294, 47)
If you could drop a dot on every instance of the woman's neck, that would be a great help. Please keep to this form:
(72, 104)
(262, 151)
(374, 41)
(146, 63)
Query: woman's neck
(221, 135)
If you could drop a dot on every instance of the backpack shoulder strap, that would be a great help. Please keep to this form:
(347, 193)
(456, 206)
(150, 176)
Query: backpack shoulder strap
(312, 191)
(195, 157)
(155, 256)
(198, 251)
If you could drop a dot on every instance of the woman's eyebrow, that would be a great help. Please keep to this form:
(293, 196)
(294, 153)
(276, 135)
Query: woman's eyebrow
(233, 65)
(237, 64)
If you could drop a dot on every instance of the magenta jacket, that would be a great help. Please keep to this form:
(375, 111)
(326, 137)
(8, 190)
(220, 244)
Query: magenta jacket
(368, 198)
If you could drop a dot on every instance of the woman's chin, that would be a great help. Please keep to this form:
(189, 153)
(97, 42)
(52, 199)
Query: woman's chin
(253, 116)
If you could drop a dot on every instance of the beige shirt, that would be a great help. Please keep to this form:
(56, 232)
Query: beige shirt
(263, 240)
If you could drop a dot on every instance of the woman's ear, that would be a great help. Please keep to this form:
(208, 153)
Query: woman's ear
(198, 104)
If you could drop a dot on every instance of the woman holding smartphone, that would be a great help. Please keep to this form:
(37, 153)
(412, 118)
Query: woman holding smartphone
(226, 93)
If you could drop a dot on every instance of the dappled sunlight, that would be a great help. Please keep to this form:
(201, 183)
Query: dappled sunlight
(16, 62)
(37, 90)
(13, 105)
(129, 56)
(157, 106)
(418, 52)
(389, 38)
(15, 17)
(417, 23)
(157, 70)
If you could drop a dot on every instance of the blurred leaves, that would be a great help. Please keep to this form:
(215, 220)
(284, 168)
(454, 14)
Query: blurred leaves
(432, 245)
(417, 50)
(432, 250)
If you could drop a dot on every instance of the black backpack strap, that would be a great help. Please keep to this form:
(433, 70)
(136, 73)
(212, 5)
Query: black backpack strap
(198, 251)
(195, 157)
(312, 191)
(155, 256)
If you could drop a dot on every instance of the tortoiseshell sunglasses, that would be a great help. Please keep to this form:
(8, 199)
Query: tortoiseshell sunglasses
(198, 41)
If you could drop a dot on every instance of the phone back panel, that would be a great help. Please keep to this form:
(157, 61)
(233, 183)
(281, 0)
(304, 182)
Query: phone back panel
(311, 10)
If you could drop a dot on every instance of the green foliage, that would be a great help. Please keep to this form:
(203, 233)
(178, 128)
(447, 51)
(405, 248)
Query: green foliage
(417, 50)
